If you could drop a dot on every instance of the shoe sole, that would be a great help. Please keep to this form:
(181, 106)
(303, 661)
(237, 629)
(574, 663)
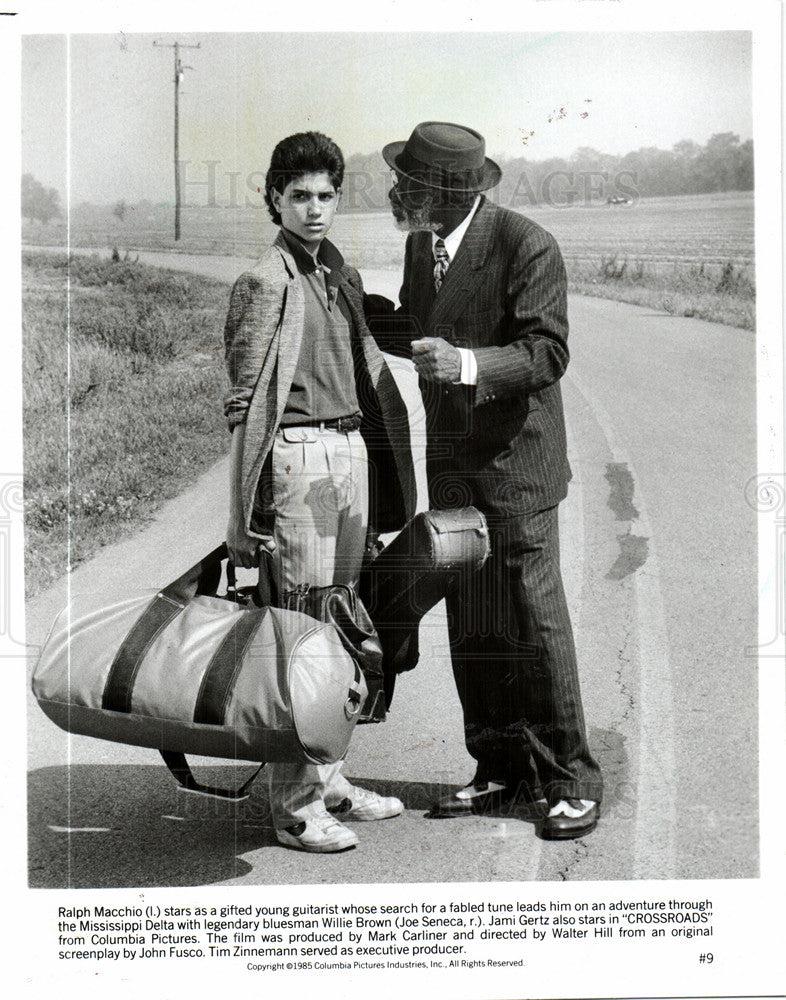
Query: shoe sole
(311, 849)
(350, 817)
(361, 816)
(507, 808)
(435, 813)
(314, 848)
(479, 805)
(546, 834)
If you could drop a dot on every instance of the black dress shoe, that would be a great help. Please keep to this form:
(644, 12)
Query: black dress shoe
(565, 827)
(475, 799)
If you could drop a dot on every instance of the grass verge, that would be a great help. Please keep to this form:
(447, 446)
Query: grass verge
(721, 293)
(139, 370)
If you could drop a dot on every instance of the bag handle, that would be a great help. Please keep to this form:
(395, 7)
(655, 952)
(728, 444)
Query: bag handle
(267, 592)
(354, 696)
(178, 765)
(202, 578)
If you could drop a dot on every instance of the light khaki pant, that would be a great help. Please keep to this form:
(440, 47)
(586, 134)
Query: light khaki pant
(320, 515)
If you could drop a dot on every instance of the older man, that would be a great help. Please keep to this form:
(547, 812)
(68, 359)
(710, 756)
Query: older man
(483, 313)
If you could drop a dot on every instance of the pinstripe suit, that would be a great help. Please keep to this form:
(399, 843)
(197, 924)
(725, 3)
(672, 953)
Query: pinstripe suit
(500, 445)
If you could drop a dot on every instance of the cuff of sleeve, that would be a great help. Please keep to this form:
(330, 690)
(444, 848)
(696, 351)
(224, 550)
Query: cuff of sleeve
(236, 407)
(469, 367)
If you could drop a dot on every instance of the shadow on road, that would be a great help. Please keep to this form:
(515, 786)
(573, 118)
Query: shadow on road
(117, 826)
(110, 826)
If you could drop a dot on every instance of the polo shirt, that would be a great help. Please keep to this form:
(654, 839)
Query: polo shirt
(323, 386)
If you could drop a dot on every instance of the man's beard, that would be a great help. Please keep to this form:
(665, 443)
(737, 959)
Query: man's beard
(415, 220)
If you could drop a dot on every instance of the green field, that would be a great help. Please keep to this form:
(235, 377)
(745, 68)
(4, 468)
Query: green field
(690, 255)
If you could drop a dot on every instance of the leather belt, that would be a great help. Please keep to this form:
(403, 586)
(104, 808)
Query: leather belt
(341, 424)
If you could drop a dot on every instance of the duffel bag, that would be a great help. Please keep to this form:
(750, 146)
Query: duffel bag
(337, 604)
(184, 671)
(341, 606)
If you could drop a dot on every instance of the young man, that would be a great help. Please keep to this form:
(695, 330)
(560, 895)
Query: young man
(484, 316)
(320, 441)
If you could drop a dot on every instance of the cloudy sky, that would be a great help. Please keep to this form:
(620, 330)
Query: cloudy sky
(109, 97)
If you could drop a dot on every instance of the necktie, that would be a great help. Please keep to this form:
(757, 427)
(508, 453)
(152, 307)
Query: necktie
(442, 262)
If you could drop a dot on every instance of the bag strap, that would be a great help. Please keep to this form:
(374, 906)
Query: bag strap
(219, 679)
(178, 765)
(202, 578)
(354, 700)
(266, 591)
(125, 666)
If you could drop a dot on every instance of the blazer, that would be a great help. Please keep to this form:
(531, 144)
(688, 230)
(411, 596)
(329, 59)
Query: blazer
(501, 443)
(262, 338)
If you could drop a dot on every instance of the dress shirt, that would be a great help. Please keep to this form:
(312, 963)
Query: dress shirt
(469, 366)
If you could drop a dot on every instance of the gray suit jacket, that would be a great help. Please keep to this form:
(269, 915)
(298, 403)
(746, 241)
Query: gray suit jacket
(262, 337)
(500, 444)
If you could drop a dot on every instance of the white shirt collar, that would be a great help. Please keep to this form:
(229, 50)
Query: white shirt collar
(453, 241)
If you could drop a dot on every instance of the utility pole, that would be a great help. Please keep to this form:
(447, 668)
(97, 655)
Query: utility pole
(179, 74)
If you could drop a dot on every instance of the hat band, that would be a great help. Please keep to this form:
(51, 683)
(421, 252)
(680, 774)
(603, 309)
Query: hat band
(436, 175)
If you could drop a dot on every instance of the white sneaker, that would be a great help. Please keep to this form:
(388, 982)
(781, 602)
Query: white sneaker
(319, 834)
(363, 804)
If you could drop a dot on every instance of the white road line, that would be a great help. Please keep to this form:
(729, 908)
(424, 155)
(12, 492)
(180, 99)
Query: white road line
(656, 813)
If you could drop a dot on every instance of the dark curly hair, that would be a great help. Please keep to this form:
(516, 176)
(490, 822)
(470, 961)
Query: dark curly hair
(302, 153)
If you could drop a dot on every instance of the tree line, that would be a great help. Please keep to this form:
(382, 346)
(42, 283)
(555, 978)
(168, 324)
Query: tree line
(723, 163)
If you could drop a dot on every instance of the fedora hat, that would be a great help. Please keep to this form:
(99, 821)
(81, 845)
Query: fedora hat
(444, 156)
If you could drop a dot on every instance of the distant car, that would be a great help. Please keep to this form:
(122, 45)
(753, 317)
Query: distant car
(618, 199)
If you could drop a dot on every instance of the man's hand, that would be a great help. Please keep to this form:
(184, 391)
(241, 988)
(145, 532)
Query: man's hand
(436, 360)
(373, 546)
(244, 549)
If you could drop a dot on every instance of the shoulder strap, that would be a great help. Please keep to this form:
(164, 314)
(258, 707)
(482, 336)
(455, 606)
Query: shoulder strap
(178, 765)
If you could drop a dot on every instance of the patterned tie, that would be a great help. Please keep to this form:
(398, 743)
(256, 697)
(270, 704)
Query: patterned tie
(442, 262)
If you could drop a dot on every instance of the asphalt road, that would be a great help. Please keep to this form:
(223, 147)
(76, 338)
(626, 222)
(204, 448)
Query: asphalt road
(659, 559)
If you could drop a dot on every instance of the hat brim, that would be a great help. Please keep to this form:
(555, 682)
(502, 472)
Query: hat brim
(490, 178)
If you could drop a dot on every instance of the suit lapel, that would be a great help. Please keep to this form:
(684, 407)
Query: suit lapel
(422, 293)
(466, 271)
